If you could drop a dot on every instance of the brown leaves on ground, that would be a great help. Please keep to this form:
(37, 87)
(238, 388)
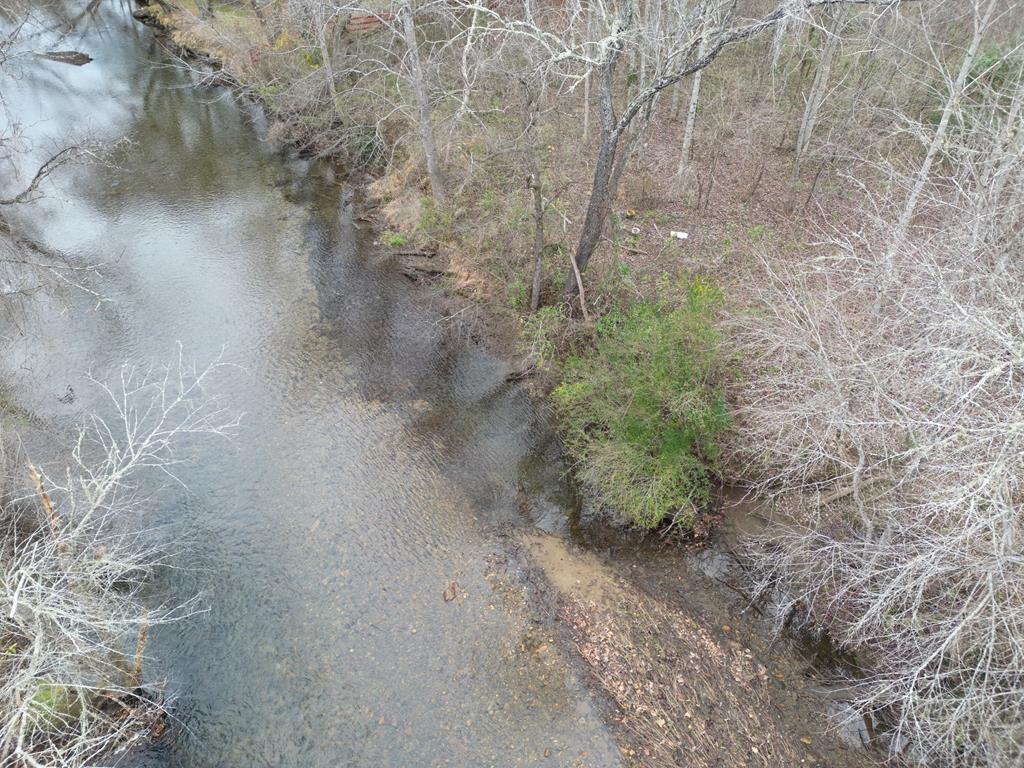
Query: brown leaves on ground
(451, 592)
(684, 697)
(685, 694)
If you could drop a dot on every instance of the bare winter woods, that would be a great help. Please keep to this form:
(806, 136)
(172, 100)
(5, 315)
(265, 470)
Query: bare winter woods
(849, 172)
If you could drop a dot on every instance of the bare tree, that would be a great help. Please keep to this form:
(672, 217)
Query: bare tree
(426, 127)
(323, 19)
(691, 113)
(816, 96)
(981, 12)
(74, 558)
(685, 44)
(893, 435)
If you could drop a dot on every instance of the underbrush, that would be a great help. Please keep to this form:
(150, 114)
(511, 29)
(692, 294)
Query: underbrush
(73, 634)
(887, 419)
(642, 409)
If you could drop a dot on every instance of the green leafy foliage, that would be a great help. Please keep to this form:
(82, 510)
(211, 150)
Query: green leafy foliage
(518, 294)
(643, 408)
(54, 704)
(541, 330)
(435, 224)
(394, 239)
(312, 59)
(757, 233)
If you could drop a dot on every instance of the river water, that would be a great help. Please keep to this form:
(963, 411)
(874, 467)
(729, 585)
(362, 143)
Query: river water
(380, 455)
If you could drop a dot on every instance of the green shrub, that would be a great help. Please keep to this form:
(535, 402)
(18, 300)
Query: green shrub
(541, 331)
(394, 239)
(757, 232)
(518, 294)
(312, 59)
(643, 408)
(435, 224)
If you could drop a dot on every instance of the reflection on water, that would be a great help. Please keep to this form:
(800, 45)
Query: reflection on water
(379, 458)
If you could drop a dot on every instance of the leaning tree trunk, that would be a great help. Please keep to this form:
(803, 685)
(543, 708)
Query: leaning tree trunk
(422, 106)
(938, 139)
(597, 207)
(601, 189)
(816, 97)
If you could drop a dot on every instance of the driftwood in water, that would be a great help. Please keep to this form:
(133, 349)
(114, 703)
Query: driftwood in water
(75, 58)
(421, 266)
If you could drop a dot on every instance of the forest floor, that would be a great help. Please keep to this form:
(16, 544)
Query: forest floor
(740, 206)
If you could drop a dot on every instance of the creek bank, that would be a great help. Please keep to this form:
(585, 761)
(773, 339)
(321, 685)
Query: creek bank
(427, 265)
(423, 261)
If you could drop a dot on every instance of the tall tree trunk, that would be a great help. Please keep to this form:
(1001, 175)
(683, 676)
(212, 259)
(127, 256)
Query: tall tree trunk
(938, 138)
(597, 207)
(419, 87)
(466, 49)
(691, 114)
(325, 58)
(530, 116)
(816, 97)
(600, 190)
(538, 238)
